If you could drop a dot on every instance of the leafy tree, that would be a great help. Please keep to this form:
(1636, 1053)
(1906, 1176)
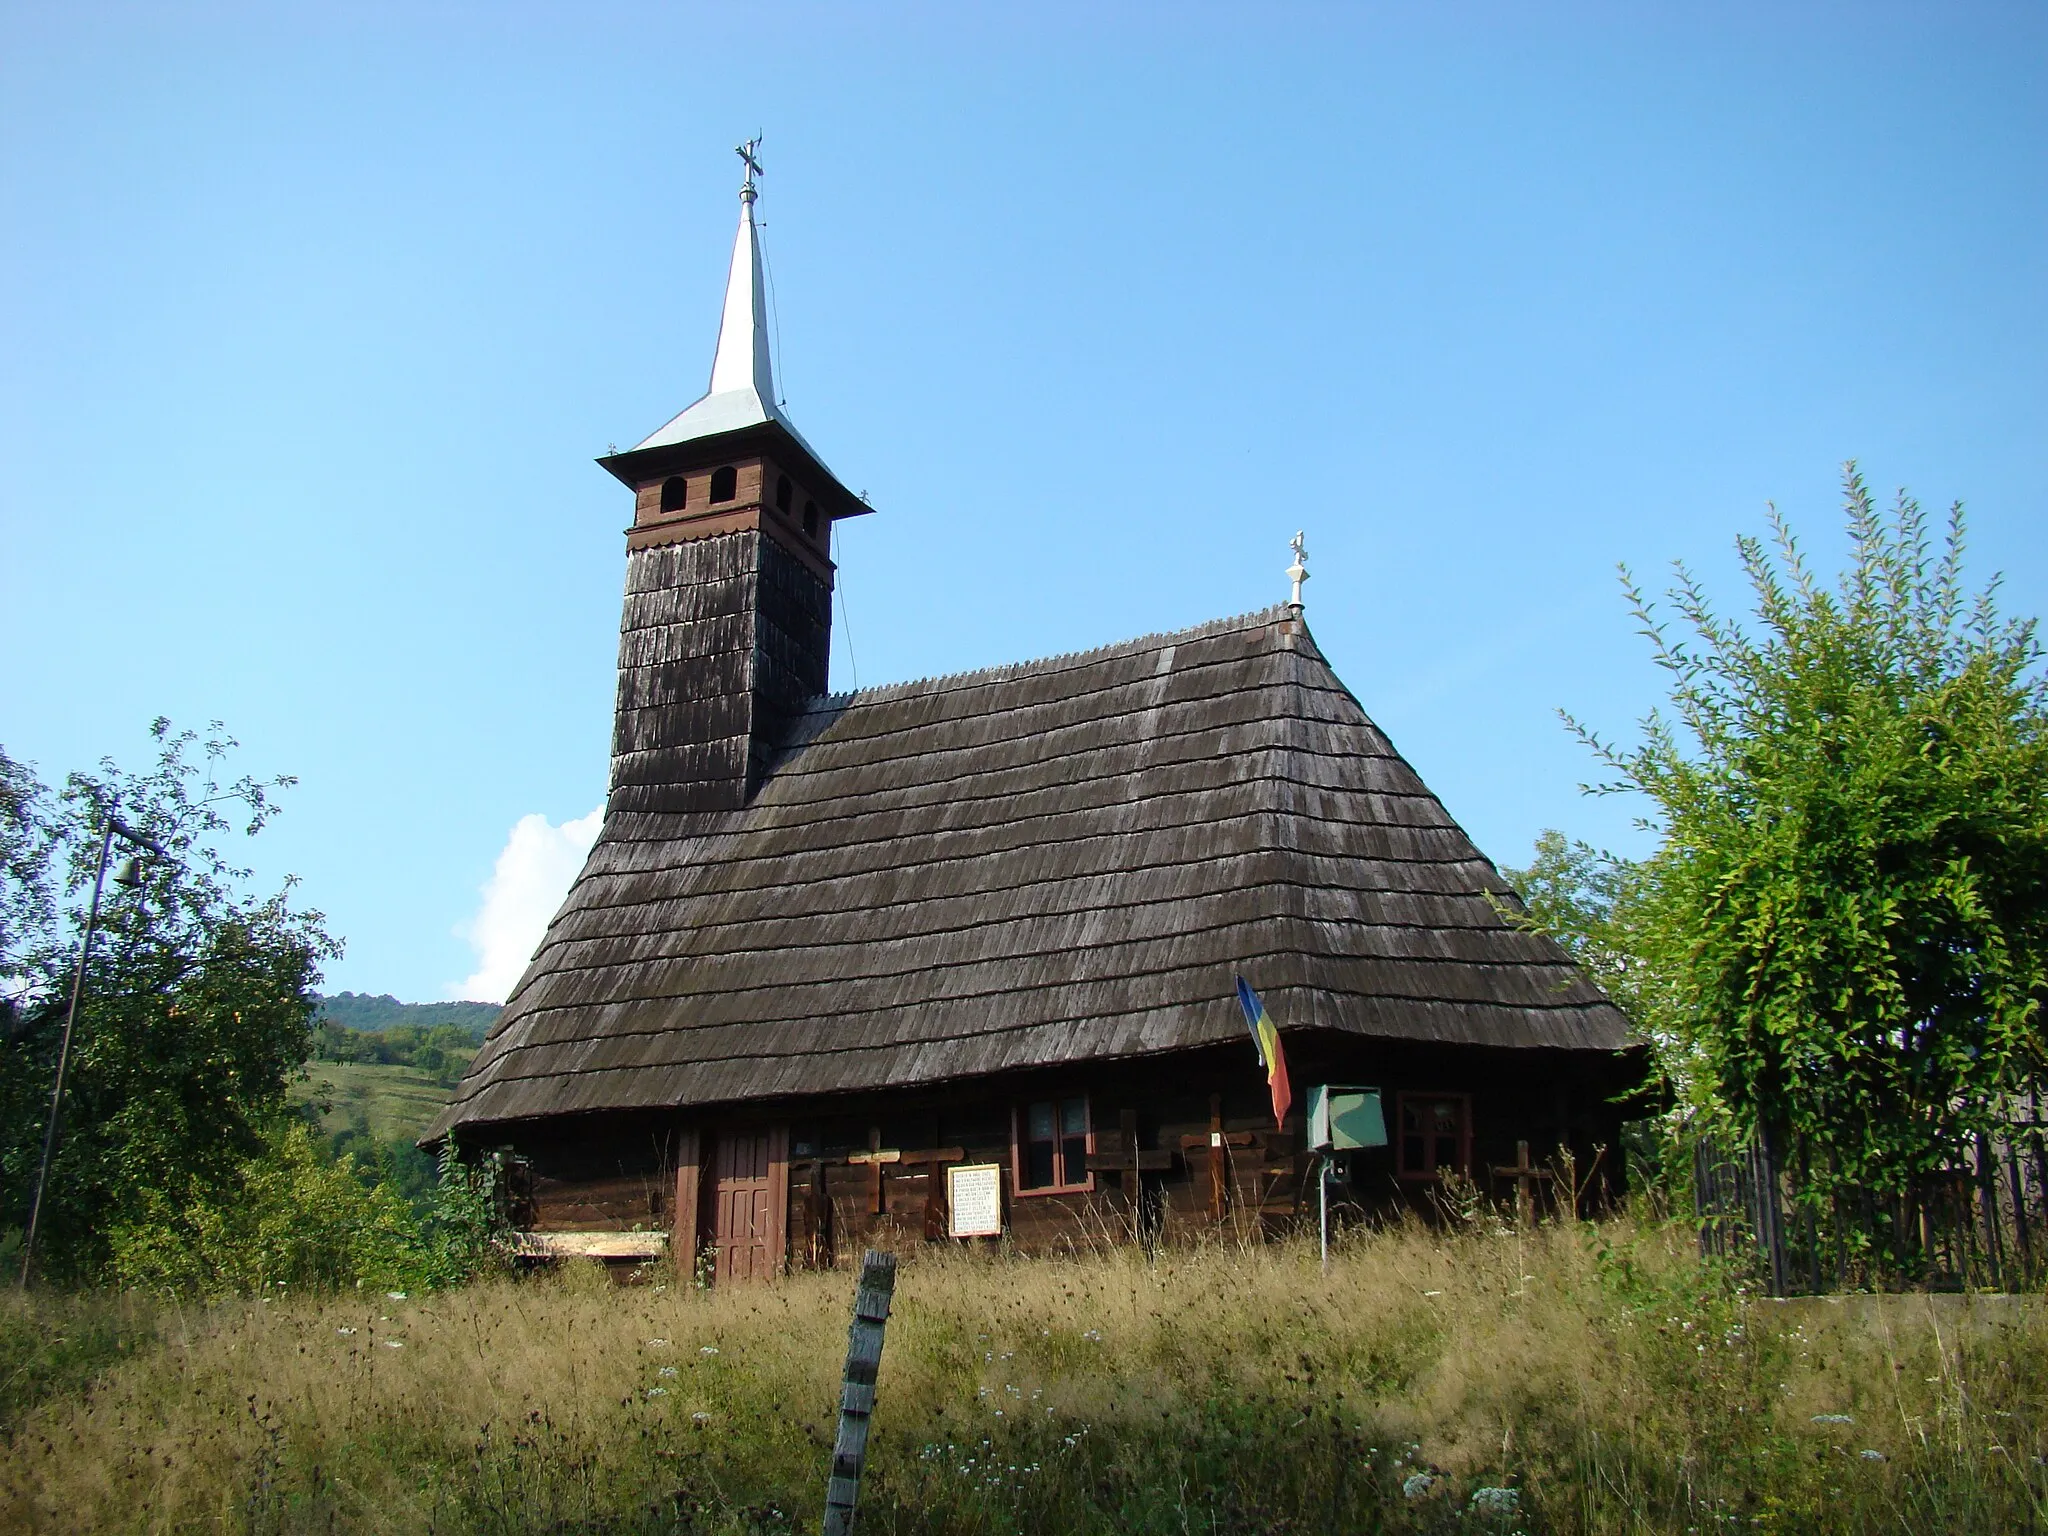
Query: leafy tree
(1847, 922)
(196, 1008)
(290, 1217)
(1580, 896)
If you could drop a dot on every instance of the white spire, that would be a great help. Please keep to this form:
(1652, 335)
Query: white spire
(742, 392)
(742, 360)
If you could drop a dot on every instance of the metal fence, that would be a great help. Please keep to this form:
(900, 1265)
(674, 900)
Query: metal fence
(1980, 1224)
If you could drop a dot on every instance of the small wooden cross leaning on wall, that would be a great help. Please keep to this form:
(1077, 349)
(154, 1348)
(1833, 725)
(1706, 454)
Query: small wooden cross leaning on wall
(1526, 1176)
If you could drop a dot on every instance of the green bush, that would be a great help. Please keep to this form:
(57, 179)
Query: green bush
(291, 1218)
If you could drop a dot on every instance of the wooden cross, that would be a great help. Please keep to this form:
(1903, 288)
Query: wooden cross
(874, 1157)
(933, 1160)
(1526, 1175)
(1118, 1151)
(1218, 1143)
(878, 1157)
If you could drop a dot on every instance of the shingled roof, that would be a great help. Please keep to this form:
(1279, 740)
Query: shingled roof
(1056, 862)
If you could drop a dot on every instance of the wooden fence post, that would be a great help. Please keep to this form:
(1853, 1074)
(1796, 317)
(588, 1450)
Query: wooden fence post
(857, 1396)
(1769, 1222)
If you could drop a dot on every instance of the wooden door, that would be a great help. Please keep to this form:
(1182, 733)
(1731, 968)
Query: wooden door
(749, 1198)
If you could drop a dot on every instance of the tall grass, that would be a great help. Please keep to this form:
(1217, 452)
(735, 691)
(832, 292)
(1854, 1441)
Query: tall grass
(1489, 1379)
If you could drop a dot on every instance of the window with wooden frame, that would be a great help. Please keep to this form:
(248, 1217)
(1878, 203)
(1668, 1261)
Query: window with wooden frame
(1435, 1136)
(1049, 1146)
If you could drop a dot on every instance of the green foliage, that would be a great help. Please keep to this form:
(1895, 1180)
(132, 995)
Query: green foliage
(196, 1008)
(409, 1172)
(289, 1217)
(463, 1218)
(443, 1051)
(295, 1217)
(1844, 935)
(374, 1012)
(1580, 896)
(393, 1103)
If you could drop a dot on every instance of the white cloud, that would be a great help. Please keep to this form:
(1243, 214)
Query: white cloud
(525, 890)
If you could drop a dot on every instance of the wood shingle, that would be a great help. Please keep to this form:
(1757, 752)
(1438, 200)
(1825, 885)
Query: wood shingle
(1053, 863)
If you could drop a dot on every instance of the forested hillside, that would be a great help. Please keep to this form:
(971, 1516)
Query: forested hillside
(380, 1011)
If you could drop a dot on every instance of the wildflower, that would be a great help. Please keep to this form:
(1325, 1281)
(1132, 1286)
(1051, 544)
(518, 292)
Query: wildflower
(708, 1349)
(1093, 1335)
(1432, 1293)
(1833, 1418)
(396, 1295)
(1417, 1486)
(346, 1333)
(666, 1370)
(1872, 1455)
(701, 1417)
(657, 1343)
(657, 1391)
(394, 1344)
(1495, 1501)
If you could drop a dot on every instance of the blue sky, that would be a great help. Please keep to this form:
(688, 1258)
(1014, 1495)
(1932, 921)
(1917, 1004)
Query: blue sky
(312, 320)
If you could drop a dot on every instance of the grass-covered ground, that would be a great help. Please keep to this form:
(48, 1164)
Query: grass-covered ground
(395, 1102)
(1571, 1379)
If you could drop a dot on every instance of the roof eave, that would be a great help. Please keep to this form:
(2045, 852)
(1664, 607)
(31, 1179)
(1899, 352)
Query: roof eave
(636, 466)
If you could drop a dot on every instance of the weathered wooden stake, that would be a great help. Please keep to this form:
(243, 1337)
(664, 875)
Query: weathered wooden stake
(857, 1397)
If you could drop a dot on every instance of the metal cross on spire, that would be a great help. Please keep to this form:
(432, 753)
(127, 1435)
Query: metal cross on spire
(748, 153)
(1297, 572)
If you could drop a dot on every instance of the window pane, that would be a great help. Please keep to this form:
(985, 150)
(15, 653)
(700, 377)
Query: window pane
(1411, 1155)
(1074, 1160)
(1038, 1165)
(1041, 1125)
(1073, 1117)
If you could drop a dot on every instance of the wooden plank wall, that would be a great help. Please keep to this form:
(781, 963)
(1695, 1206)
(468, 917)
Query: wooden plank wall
(840, 1195)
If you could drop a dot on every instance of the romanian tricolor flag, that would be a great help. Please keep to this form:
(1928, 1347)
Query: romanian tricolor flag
(1270, 1055)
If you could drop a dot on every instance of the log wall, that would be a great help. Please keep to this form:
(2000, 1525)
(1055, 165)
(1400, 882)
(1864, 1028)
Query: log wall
(609, 1173)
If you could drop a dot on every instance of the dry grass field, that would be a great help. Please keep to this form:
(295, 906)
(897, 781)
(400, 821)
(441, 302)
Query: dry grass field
(1488, 1379)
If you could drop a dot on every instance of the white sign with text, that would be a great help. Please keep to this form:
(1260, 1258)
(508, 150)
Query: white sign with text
(974, 1200)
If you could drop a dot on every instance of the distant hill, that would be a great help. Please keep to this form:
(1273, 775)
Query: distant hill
(381, 1011)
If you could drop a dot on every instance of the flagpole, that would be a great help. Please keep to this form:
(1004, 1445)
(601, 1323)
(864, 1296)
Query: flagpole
(1323, 1201)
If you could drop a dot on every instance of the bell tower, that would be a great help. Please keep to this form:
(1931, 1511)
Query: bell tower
(727, 626)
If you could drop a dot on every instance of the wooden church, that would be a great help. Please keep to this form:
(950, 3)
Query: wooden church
(956, 958)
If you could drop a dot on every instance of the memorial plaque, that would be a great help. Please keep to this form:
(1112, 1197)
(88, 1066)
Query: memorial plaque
(974, 1200)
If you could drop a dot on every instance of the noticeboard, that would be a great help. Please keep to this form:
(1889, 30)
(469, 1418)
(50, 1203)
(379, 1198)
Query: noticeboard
(1344, 1119)
(974, 1200)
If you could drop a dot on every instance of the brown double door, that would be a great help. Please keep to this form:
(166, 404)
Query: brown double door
(748, 1198)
